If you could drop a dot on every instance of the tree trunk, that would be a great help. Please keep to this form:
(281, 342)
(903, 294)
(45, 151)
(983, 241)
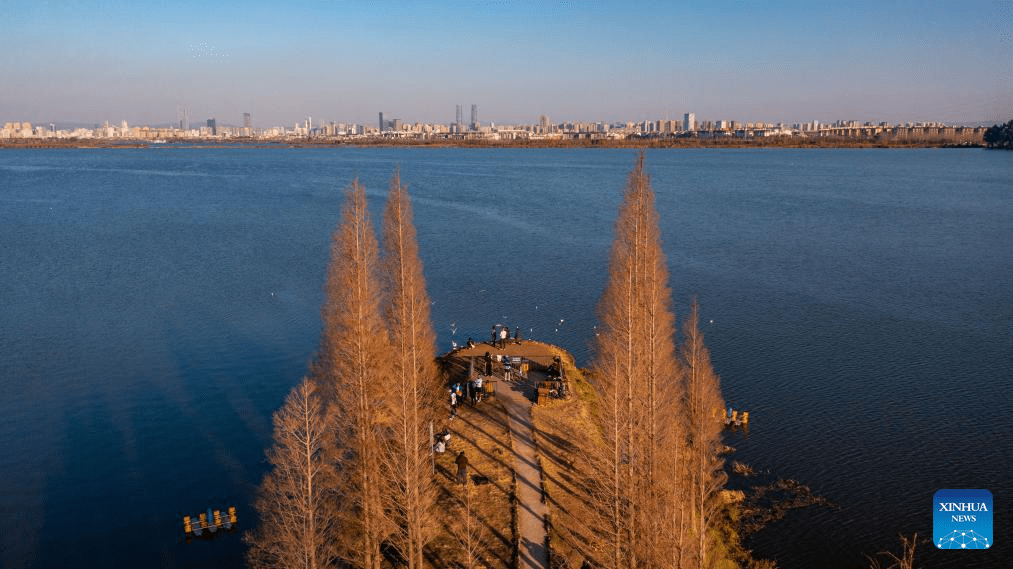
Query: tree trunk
(415, 387)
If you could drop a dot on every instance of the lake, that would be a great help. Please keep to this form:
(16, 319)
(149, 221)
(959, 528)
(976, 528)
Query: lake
(159, 303)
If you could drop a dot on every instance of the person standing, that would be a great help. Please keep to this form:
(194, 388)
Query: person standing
(494, 336)
(488, 364)
(504, 333)
(506, 367)
(517, 335)
(462, 468)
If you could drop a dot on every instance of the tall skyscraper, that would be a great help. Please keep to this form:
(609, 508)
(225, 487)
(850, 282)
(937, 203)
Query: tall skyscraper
(183, 115)
(460, 117)
(381, 121)
(689, 122)
(213, 125)
(474, 117)
(247, 123)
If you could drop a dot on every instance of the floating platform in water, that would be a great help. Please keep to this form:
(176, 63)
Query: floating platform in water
(736, 418)
(208, 523)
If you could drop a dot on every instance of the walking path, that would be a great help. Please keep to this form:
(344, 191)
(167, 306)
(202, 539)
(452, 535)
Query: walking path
(530, 508)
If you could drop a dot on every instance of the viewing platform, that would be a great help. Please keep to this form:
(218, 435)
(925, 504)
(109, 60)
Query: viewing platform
(538, 367)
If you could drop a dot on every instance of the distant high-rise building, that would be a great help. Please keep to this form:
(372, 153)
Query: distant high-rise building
(183, 114)
(543, 121)
(213, 125)
(247, 123)
(689, 122)
(460, 118)
(381, 121)
(474, 117)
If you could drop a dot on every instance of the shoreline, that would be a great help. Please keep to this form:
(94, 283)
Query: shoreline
(679, 143)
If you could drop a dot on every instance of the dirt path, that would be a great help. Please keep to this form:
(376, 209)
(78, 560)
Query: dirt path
(530, 508)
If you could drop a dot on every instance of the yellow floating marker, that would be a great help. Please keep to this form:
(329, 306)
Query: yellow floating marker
(187, 525)
(218, 518)
(204, 521)
(745, 418)
(735, 416)
(232, 514)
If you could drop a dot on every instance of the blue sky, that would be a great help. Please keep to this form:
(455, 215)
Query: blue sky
(897, 61)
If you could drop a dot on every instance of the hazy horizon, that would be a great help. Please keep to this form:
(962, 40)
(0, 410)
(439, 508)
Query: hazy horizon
(88, 62)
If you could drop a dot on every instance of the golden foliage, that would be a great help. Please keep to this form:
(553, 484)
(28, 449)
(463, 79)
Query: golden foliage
(413, 396)
(635, 373)
(296, 501)
(354, 350)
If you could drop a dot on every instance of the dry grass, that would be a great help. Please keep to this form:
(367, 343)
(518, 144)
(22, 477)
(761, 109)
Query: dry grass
(483, 434)
(562, 429)
(559, 426)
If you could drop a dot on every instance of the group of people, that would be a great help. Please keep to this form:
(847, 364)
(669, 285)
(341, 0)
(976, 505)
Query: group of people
(507, 366)
(500, 334)
(442, 440)
(471, 391)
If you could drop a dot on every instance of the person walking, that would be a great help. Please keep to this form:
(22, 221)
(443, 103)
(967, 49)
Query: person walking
(462, 468)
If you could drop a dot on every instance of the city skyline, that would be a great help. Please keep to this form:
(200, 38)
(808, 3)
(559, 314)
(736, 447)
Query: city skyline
(775, 62)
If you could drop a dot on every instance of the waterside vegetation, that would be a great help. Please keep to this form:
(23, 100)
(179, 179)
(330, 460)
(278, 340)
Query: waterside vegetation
(1000, 136)
(632, 461)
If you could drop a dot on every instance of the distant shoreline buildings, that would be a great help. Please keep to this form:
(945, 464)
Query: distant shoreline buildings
(543, 130)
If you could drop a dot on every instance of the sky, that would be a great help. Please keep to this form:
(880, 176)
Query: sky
(89, 61)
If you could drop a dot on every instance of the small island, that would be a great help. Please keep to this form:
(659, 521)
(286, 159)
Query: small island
(503, 453)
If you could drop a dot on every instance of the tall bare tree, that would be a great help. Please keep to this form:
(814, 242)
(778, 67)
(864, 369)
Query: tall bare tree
(470, 532)
(705, 410)
(636, 374)
(296, 500)
(354, 352)
(415, 387)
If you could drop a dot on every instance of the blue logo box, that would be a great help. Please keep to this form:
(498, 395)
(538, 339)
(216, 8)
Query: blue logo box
(962, 519)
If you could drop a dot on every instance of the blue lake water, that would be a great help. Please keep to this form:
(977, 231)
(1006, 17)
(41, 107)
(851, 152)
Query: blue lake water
(158, 304)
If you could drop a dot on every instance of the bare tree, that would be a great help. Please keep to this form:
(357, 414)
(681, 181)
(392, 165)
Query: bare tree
(415, 387)
(906, 560)
(470, 532)
(354, 349)
(636, 375)
(705, 410)
(295, 501)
